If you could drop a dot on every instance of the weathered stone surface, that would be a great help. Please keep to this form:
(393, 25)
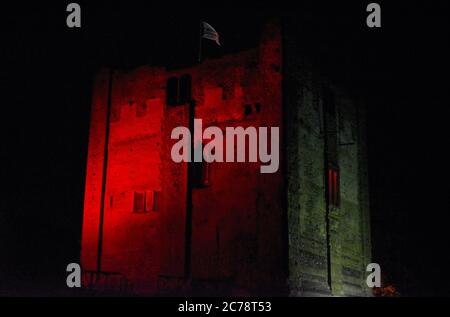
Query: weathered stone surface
(246, 232)
(343, 265)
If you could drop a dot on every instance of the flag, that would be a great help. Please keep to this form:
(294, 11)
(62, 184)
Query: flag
(210, 33)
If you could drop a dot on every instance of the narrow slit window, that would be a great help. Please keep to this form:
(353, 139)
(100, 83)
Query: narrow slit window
(333, 186)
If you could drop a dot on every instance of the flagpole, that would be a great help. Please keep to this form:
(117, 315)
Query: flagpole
(200, 43)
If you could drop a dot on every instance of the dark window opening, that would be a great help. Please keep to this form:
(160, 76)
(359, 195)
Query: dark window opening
(247, 110)
(258, 107)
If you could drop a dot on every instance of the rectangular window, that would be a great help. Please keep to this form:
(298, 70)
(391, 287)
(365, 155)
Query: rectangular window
(146, 201)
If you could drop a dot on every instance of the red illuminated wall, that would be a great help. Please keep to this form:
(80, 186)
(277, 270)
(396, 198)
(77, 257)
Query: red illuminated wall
(237, 221)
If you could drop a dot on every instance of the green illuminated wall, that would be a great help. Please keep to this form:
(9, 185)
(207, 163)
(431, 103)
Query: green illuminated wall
(312, 269)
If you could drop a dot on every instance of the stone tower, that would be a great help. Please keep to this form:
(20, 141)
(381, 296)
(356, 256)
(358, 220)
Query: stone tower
(153, 226)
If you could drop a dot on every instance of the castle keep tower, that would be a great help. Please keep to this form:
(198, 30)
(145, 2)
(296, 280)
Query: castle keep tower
(153, 226)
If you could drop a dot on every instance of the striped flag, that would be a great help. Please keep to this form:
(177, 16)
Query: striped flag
(210, 33)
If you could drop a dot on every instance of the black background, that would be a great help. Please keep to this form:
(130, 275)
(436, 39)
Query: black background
(400, 70)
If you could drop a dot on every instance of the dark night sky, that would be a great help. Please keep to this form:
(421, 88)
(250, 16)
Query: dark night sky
(401, 71)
